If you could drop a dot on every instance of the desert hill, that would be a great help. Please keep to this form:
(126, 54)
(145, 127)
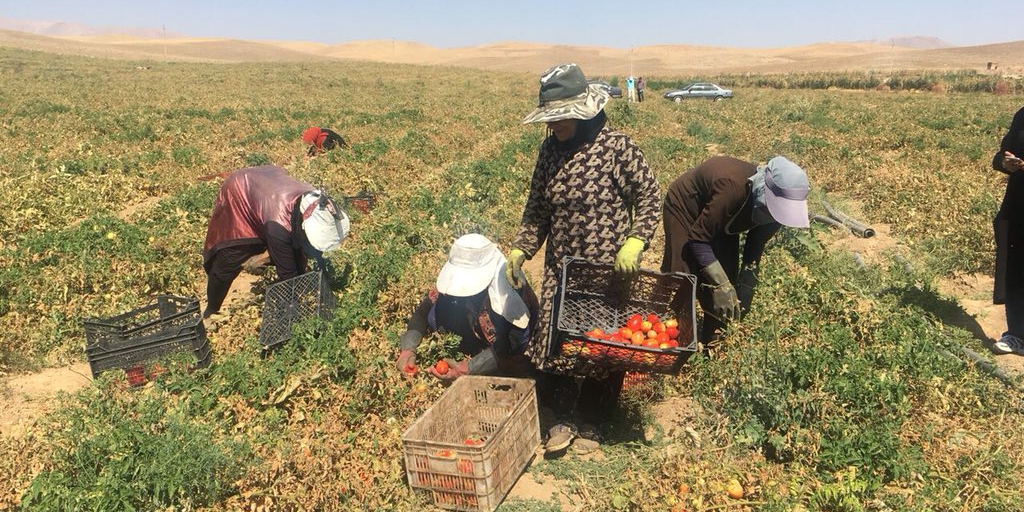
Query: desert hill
(515, 56)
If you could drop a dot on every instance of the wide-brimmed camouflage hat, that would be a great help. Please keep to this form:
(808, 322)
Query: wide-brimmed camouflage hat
(565, 94)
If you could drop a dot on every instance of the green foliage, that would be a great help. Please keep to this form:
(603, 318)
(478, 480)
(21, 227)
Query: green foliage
(135, 453)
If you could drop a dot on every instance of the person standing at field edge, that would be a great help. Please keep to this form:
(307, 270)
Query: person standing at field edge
(641, 84)
(630, 88)
(1009, 234)
(706, 209)
(472, 300)
(264, 209)
(592, 196)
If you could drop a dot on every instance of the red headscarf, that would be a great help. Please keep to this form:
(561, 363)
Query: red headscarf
(314, 136)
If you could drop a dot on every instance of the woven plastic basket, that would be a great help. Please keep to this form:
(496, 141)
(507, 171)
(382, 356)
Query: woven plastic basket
(131, 340)
(592, 296)
(470, 447)
(291, 301)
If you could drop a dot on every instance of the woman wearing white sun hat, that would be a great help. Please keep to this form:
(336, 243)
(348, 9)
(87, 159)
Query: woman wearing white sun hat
(264, 209)
(473, 300)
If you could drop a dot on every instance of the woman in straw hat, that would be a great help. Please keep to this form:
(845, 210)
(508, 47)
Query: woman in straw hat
(706, 209)
(264, 209)
(592, 196)
(473, 300)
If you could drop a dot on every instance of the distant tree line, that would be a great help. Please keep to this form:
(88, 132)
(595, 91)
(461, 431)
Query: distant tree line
(945, 81)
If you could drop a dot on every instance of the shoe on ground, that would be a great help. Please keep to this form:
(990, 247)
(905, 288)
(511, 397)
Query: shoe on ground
(560, 437)
(1009, 344)
(588, 441)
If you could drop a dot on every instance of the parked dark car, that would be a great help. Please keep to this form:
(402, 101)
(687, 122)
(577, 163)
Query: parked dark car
(613, 91)
(699, 90)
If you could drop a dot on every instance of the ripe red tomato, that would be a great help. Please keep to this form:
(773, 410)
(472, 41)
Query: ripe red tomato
(659, 327)
(441, 367)
(136, 376)
(652, 318)
(638, 317)
(651, 343)
(616, 338)
(672, 332)
(626, 333)
(646, 326)
(411, 369)
(651, 334)
(635, 323)
(663, 337)
(638, 338)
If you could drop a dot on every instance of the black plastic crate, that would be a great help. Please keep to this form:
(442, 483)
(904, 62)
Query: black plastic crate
(592, 296)
(291, 301)
(364, 202)
(169, 325)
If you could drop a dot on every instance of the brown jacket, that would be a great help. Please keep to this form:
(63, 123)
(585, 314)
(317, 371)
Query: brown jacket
(255, 206)
(705, 205)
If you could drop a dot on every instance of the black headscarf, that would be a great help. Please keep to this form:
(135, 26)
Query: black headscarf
(586, 131)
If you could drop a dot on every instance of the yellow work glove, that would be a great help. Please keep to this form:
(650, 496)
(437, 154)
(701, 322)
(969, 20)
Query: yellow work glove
(627, 261)
(514, 268)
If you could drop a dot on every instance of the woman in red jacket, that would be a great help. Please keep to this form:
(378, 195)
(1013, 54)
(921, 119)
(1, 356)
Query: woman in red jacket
(264, 209)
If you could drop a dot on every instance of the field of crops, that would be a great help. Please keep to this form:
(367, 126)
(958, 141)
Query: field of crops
(834, 394)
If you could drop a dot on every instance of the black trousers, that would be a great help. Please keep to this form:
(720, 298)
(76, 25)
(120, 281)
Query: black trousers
(594, 399)
(222, 269)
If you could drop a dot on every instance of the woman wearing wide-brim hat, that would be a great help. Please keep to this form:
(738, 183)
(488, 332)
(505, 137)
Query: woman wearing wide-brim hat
(592, 196)
(472, 300)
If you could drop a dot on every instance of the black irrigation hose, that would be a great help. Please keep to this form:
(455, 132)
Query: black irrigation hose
(984, 365)
(858, 229)
(829, 221)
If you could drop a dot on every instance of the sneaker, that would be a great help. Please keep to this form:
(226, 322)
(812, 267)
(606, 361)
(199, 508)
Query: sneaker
(560, 437)
(1009, 344)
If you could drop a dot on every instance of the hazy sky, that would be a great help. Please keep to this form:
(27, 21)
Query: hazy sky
(739, 23)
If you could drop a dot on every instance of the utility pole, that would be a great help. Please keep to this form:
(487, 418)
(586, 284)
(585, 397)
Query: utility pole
(164, 27)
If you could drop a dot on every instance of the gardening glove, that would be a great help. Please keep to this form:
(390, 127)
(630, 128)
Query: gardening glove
(456, 369)
(627, 261)
(745, 285)
(407, 363)
(514, 268)
(725, 305)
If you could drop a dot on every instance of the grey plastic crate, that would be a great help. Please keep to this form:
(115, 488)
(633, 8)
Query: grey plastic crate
(291, 301)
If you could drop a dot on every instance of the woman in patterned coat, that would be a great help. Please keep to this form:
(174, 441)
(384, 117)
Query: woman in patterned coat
(592, 196)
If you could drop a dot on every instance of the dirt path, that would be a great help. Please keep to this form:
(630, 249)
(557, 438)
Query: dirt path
(25, 398)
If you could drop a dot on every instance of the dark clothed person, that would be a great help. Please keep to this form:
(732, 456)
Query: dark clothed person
(1009, 235)
(705, 211)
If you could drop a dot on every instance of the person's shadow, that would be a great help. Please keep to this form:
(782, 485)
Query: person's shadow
(946, 309)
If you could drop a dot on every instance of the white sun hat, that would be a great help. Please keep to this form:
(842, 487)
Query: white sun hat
(325, 225)
(470, 267)
(474, 264)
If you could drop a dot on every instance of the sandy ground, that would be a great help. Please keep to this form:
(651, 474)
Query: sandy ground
(24, 398)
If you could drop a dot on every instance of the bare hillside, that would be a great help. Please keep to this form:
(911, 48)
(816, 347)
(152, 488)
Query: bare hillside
(518, 56)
